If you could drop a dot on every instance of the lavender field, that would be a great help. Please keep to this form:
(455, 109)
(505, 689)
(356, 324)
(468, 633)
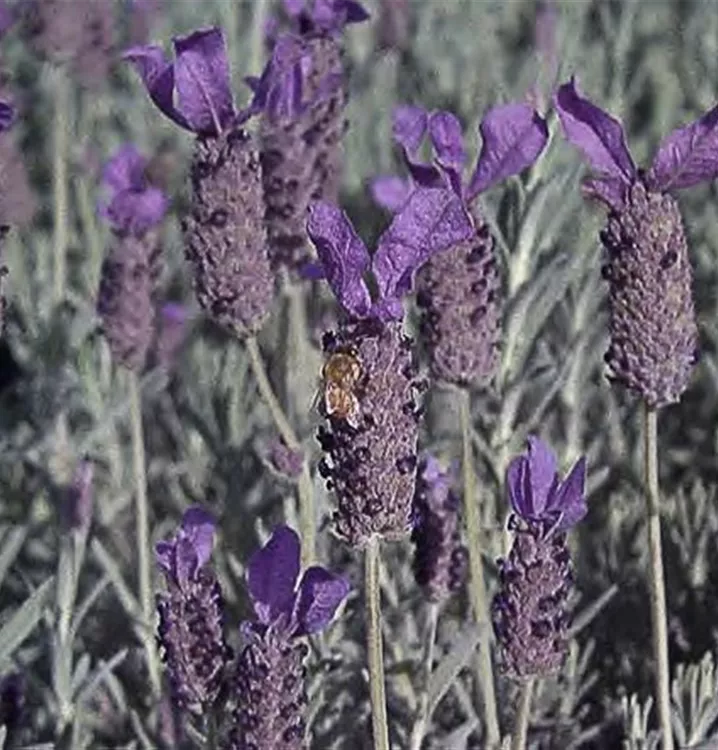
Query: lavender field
(358, 374)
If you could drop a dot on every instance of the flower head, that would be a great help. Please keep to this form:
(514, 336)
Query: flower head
(654, 336)
(459, 290)
(198, 81)
(430, 221)
(529, 611)
(539, 495)
(134, 206)
(269, 679)
(191, 614)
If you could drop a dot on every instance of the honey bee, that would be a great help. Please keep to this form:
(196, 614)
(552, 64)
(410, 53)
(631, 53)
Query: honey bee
(340, 375)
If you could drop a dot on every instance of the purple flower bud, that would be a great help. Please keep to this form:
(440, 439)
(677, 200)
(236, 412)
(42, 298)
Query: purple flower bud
(12, 700)
(370, 402)
(80, 32)
(172, 324)
(284, 460)
(191, 615)
(124, 300)
(134, 206)
(529, 612)
(654, 336)
(7, 116)
(440, 560)
(270, 677)
(225, 237)
(80, 498)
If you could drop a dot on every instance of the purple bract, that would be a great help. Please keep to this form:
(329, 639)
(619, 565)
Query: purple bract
(134, 206)
(184, 556)
(538, 494)
(301, 608)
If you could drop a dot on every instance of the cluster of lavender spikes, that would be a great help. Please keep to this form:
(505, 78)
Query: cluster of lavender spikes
(265, 685)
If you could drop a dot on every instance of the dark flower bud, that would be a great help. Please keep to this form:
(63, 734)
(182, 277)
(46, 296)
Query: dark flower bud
(285, 461)
(371, 442)
(79, 500)
(459, 292)
(124, 301)
(191, 615)
(225, 238)
(652, 317)
(440, 560)
(173, 321)
(12, 700)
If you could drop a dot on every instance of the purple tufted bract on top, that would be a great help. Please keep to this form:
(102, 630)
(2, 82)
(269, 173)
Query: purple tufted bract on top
(191, 614)
(458, 290)
(654, 336)
(224, 233)
(370, 459)
(529, 611)
(269, 681)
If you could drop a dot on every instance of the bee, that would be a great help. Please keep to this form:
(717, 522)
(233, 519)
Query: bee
(340, 375)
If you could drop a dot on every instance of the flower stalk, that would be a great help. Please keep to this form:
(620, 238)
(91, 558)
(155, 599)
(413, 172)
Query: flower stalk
(375, 646)
(143, 533)
(658, 591)
(59, 180)
(307, 512)
(477, 585)
(523, 714)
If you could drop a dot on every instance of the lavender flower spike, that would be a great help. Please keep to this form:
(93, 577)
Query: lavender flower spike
(191, 614)
(459, 290)
(269, 678)
(371, 390)
(302, 97)
(440, 560)
(654, 336)
(529, 612)
(224, 233)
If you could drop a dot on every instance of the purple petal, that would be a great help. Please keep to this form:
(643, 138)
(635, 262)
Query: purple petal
(204, 93)
(158, 75)
(433, 219)
(7, 116)
(447, 139)
(513, 136)
(390, 193)
(134, 212)
(333, 15)
(542, 474)
(343, 255)
(124, 169)
(272, 574)
(278, 92)
(519, 490)
(570, 499)
(608, 190)
(598, 135)
(198, 529)
(320, 594)
(409, 126)
(293, 7)
(688, 155)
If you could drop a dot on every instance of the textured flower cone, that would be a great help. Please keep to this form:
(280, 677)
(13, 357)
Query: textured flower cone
(372, 467)
(654, 337)
(529, 612)
(270, 693)
(301, 156)
(459, 293)
(124, 300)
(440, 560)
(190, 632)
(225, 239)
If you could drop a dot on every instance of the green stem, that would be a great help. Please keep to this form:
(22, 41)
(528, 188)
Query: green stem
(523, 714)
(417, 735)
(658, 591)
(59, 181)
(306, 494)
(143, 534)
(256, 42)
(374, 646)
(477, 588)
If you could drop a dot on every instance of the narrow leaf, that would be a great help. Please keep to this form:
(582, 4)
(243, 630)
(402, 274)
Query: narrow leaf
(23, 622)
(442, 677)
